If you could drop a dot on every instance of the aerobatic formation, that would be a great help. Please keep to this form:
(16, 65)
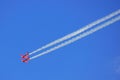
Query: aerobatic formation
(74, 36)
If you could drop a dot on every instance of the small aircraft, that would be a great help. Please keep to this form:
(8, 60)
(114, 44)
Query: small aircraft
(25, 58)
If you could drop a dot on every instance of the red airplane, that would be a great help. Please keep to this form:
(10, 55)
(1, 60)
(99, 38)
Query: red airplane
(25, 57)
(25, 60)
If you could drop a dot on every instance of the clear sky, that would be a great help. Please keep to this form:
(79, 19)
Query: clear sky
(26, 25)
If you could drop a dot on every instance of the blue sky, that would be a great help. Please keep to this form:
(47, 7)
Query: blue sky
(26, 25)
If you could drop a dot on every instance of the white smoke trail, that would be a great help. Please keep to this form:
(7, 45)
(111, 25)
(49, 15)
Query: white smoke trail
(78, 31)
(78, 37)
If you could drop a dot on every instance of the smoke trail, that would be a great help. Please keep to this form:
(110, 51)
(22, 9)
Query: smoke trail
(78, 37)
(78, 31)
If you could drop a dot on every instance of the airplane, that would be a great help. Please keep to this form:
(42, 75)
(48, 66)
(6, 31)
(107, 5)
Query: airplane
(25, 60)
(25, 56)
